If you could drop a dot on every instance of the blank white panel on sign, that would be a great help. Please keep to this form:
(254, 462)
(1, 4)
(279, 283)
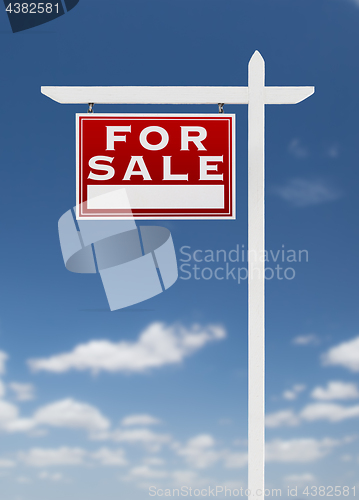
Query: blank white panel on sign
(155, 197)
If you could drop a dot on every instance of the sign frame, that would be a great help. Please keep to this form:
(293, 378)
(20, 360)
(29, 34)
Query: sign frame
(231, 187)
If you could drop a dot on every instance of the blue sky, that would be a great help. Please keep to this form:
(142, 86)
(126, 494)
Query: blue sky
(70, 430)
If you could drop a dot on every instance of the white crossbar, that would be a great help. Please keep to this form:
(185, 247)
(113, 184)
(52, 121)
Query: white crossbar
(172, 95)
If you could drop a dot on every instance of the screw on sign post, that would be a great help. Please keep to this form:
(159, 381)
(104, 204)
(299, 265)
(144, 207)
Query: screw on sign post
(256, 95)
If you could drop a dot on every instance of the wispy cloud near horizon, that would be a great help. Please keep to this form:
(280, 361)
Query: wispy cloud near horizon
(297, 149)
(301, 193)
(309, 339)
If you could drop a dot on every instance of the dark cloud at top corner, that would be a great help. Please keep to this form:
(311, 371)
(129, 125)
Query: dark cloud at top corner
(26, 15)
(70, 4)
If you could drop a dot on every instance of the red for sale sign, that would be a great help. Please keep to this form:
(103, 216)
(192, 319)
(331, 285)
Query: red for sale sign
(156, 166)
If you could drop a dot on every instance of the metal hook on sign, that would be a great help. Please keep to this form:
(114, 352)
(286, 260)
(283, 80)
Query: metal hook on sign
(91, 105)
(220, 106)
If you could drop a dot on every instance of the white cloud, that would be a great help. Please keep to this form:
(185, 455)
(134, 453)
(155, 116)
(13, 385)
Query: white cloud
(304, 193)
(345, 354)
(289, 395)
(145, 477)
(108, 457)
(300, 479)
(297, 149)
(2, 389)
(202, 452)
(336, 390)
(145, 472)
(240, 442)
(8, 413)
(141, 419)
(154, 461)
(191, 479)
(157, 346)
(299, 450)
(282, 418)
(292, 394)
(67, 413)
(235, 460)
(23, 392)
(39, 457)
(55, 476)
(23, 480)
(150, 440)
(47, 457)
(329, 411)
(333, 151)
(199, 451)
(187, 477)
(38, 433)
(3, 358)
(306, 340)
(350, 439)
(225, 421)
(20, 425)
(7, 464)
(72, 414)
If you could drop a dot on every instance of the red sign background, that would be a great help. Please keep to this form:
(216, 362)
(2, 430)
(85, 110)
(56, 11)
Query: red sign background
(219, 142)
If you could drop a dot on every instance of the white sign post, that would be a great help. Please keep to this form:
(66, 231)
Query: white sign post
(256, 95)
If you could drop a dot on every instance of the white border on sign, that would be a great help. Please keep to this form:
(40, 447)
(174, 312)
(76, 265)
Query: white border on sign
(232, 180)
